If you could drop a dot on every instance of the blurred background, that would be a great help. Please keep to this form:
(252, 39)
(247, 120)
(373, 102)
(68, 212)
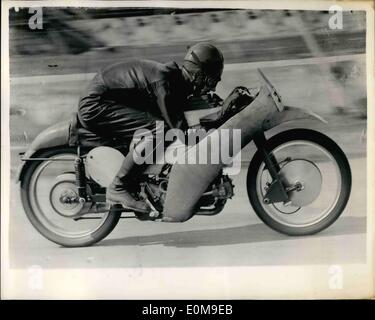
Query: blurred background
(313, 66)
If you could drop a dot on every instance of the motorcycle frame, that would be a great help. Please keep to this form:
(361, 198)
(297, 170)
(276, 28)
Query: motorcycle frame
(275, 193)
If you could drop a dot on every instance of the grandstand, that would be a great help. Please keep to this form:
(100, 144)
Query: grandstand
(77, 34)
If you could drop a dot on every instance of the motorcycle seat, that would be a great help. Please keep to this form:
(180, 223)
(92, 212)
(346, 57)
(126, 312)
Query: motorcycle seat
(80, 136)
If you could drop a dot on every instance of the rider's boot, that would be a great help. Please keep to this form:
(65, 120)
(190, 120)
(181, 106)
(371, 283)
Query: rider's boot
(118, 190)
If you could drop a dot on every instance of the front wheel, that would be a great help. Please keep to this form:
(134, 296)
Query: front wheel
(318, 175)
(41, 194)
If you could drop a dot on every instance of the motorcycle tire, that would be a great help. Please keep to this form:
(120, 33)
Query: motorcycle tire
(344, 168)
(105, 229)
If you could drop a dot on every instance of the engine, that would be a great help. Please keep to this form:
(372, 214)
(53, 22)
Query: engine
(211, 202)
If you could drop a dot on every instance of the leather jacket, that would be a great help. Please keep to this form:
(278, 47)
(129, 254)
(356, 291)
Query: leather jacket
(139, 84)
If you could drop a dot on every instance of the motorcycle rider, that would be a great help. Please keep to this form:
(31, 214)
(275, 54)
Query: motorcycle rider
(131, 95)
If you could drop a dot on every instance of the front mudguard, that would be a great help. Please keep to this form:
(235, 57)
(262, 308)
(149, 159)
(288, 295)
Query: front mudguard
(289, 114)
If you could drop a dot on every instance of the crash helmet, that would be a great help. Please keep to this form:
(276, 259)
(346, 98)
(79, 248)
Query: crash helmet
(204, 63)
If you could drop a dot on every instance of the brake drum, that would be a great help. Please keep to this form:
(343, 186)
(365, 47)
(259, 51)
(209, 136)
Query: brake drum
(307, 174)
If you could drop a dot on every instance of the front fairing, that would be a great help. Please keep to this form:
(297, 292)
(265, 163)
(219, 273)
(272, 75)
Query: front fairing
(189, 180)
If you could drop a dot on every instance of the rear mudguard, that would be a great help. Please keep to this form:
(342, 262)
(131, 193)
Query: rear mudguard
(54, 136)
(289, 114)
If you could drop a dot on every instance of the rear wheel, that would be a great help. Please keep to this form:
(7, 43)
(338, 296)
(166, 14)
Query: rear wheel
(320, 173)
(43, 187)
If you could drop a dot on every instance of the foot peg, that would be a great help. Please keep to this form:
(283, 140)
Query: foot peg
(152, 215)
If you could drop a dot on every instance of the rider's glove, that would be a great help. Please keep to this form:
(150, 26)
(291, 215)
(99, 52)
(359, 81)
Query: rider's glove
(213, 99)
(240, 97)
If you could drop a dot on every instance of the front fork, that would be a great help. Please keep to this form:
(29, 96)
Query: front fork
(276, 190)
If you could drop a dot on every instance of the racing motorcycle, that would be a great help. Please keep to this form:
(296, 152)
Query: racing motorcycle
(298, 181)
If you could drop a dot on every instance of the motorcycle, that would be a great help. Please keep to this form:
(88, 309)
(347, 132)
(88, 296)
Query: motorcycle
(298, 181)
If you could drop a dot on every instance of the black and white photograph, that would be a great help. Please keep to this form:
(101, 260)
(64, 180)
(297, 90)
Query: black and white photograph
(187, 150)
